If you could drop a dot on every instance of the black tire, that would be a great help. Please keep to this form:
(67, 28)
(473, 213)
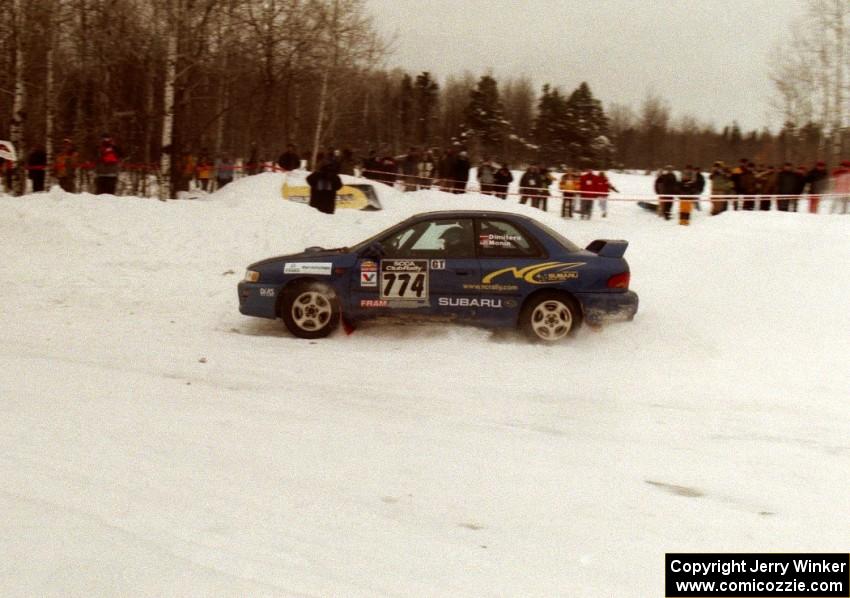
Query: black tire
(310, 310)
(550, 317)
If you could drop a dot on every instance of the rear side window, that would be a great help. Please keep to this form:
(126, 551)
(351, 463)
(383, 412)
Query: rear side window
(499, 238)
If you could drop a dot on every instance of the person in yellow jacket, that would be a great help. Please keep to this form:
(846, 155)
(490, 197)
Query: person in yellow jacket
(569, 187)
(187, 171)
(205, 172)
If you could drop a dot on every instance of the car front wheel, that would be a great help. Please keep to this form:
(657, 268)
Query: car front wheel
(310, 310)
(550, 317)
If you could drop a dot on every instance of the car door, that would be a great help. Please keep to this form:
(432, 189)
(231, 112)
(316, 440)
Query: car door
(509, 256)
(428, 268)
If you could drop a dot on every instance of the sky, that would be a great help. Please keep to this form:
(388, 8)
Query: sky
(708, 58)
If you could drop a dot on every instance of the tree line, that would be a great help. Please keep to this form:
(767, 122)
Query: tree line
(248, 77)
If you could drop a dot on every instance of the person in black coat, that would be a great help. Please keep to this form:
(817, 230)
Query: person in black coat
(324, 183)
(371, 166)
(818, 181)
(501, 180)
(36, 167)
(666, 186)
(289, 160)
(788, 182)
(461, 175)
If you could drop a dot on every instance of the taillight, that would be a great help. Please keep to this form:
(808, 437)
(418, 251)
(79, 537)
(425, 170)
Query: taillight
(619, 281)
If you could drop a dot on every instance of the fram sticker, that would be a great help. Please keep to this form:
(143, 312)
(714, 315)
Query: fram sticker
(373, 303)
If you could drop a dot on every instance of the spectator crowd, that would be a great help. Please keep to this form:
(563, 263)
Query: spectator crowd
(746, 186)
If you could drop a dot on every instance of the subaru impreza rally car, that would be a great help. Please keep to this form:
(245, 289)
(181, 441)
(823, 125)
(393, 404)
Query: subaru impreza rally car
(493, 269)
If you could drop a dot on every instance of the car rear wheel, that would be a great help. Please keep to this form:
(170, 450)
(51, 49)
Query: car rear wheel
(310, 310)
(550, 317)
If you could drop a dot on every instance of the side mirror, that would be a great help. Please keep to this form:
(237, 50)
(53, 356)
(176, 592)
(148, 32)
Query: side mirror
(375, 251)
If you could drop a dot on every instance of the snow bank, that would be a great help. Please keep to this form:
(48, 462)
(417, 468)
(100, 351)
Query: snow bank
(155, 441)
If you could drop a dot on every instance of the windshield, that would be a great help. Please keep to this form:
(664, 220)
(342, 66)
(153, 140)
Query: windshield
(377, 237)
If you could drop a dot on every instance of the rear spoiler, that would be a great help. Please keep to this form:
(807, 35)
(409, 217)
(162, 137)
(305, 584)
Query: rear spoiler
(608, 247)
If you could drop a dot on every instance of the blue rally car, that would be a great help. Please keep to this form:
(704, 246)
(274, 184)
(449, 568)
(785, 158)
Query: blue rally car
(493, 269)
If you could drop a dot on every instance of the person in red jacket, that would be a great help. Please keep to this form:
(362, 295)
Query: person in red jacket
(818, 181)
(603, 187)
(587, 185)
(841, 187)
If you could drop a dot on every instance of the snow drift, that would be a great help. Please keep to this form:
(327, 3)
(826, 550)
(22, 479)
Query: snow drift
(155, 441)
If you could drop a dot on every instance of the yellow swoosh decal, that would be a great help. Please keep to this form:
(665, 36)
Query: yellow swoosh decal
(529, 273)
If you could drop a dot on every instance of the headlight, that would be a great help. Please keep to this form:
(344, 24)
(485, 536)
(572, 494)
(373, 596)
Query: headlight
(251, 276)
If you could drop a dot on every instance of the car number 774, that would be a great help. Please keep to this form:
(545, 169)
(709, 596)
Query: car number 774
(404, 279)
(404, 289)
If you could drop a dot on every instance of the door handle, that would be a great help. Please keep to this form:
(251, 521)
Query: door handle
(462, 272)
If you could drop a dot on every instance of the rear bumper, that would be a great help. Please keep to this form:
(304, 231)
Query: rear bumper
(608, 307)
(257, 299)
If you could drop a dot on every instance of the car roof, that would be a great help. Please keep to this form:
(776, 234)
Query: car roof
(469, 214)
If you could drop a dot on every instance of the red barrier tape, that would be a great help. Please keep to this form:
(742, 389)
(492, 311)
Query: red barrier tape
(444, 184)
(497, 190)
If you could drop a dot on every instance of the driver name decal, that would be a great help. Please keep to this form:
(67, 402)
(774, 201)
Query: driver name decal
(498, 240)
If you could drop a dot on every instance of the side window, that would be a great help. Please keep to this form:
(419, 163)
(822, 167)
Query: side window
(498, 238)
(433, 239)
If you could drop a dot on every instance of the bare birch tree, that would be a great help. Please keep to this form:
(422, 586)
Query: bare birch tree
(810, 70)
(17, 124)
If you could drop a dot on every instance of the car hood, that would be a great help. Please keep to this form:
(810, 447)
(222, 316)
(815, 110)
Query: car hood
(309, 254)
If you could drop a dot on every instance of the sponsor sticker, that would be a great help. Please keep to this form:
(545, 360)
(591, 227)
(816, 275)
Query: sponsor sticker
(556, 276)
(469, 302)
(374, 303)
(492, 288)
(438, 264)
(404, 280)
(368, 279)
(368, 274)
(313, 268)
(267, 291)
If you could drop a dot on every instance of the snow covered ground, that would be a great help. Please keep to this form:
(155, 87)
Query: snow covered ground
(153, 441)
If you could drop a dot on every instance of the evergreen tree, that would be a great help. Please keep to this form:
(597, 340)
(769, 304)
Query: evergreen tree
(551, 126)
(426, 97)
(518, 99)
(485, 122)
(406, 110)
(588, 132)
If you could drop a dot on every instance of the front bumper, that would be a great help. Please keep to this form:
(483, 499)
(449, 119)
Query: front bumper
(608, 307)
(258, 299)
